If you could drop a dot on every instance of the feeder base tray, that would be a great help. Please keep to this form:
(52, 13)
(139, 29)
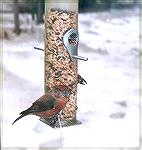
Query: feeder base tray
(53, 122)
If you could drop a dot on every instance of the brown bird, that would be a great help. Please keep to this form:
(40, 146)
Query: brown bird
(49, 104)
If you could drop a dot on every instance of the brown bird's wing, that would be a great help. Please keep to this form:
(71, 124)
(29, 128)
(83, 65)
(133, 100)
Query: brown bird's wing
(42, 104)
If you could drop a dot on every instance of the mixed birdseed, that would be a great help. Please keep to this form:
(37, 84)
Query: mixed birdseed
(59, 68)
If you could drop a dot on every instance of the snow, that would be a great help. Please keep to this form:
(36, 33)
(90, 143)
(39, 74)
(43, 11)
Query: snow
(108, 106)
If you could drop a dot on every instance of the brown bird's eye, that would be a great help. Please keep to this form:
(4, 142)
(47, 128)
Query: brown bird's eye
(66, 93)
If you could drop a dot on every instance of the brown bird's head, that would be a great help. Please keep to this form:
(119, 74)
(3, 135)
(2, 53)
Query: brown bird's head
(62, 90)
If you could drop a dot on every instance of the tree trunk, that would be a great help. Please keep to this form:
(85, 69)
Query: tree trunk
(16, 17)
(40, 11)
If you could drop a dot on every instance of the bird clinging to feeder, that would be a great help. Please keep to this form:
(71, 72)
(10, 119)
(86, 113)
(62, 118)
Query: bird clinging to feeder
(49, 104)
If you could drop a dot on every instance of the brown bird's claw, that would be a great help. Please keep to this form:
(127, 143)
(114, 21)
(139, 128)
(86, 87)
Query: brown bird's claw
(50, 121)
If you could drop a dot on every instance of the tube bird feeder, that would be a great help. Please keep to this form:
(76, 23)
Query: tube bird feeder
(60, 54)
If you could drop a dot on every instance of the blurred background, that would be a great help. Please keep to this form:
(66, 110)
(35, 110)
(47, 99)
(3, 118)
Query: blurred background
(108, 106)
(36, 8)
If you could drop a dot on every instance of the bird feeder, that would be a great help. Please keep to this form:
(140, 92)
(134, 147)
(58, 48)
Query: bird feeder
(60, 54)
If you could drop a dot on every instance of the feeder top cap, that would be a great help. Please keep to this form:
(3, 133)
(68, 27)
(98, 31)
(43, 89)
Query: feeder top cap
(69, 5)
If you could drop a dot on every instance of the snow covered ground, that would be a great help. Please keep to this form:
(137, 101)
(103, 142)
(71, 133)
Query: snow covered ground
(108, 105)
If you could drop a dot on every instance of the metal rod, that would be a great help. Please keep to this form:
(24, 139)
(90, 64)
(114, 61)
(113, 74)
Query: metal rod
(73, 56)
(79, 57)
(38, 48)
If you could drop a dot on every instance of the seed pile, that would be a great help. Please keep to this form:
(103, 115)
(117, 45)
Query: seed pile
(59, 68)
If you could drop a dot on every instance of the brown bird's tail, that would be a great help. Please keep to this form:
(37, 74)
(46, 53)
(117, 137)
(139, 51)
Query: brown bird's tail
(18, 118)
(23, 114)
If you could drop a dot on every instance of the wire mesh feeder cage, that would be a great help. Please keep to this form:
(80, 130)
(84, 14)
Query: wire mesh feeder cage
(60, 56)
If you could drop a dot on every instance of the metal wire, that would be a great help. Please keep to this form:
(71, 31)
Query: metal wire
(60, 125)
